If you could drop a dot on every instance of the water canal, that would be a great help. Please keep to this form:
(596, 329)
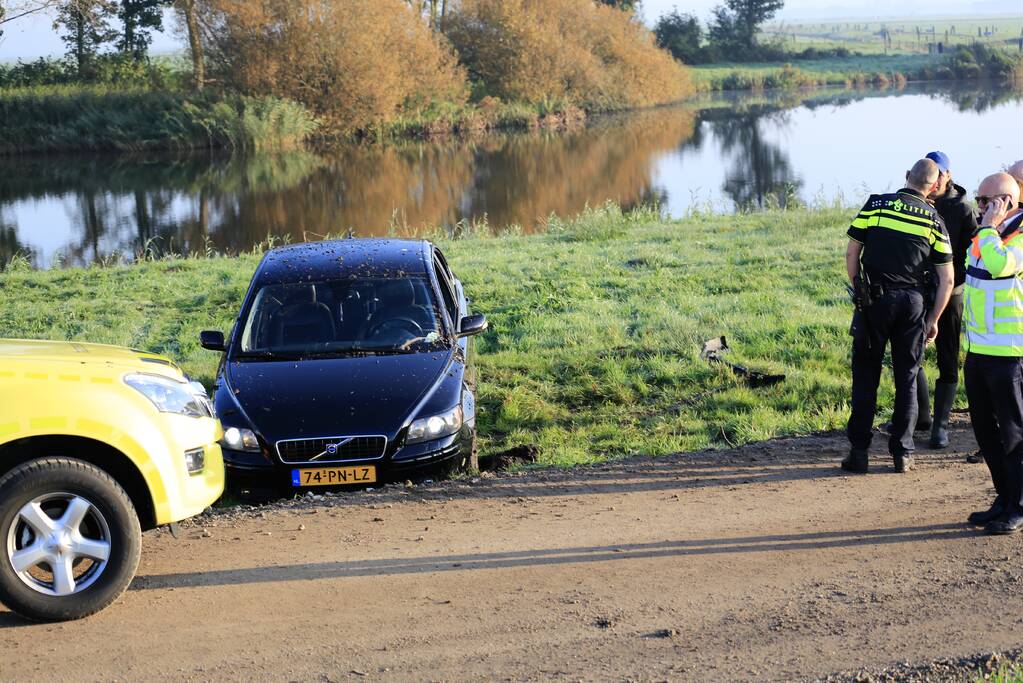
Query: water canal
(720, 154)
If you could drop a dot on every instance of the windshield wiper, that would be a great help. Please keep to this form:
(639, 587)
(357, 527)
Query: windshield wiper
(267, 355)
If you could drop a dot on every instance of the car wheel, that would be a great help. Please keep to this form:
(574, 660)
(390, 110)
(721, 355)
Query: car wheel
(70, 538)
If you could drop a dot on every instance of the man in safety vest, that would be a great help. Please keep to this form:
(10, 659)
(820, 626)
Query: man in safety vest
(993, 317)
(893, 242)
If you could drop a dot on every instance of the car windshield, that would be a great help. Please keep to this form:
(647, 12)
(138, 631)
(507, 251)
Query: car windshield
(341, 317)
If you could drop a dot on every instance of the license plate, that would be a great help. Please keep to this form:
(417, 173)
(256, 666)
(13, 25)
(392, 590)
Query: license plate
(334, 476)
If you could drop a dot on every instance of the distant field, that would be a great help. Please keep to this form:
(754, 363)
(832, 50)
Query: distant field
(865, 36)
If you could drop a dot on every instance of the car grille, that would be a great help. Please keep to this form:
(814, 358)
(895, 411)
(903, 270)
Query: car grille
(344, 448)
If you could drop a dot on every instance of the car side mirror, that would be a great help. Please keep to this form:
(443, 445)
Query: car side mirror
(472, 325)
(212, 340)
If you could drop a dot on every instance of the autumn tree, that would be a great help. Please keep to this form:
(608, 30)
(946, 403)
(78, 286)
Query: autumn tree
(575, 52)
(355, 63)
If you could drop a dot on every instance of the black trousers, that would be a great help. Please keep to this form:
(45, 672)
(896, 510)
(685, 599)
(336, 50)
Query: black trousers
(994, 386)
(896, 318)
(950, 327)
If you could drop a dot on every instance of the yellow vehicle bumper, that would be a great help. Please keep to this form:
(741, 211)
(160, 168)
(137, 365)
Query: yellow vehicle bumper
(185, 494)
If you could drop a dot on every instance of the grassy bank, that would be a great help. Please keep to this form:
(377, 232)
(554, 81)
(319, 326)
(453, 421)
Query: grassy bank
(851, 71)
(70, 118)
(596, 326)
(965, 63)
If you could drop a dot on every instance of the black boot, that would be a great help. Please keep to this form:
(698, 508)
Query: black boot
(856, 461)
(983, 517)
(975, 457)
(923, 402)
(944, 397)
(1010, 522)
(903, 462)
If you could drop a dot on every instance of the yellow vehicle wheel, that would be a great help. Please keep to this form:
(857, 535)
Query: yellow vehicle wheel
(70, 538)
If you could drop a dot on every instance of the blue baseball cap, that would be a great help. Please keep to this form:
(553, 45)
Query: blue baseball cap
(941, 159)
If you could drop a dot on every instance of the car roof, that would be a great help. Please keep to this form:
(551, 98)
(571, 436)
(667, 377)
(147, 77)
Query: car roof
(356, 257)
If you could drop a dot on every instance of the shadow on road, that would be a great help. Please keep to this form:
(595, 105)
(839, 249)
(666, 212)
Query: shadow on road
(556, 556)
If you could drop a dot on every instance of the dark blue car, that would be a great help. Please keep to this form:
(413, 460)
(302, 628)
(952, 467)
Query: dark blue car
(350, 363)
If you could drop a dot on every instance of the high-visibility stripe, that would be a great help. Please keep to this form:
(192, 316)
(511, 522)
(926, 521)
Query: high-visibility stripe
(942, 248)
(907, 217)
(1012, 351)
(861, 223)
(908, 228)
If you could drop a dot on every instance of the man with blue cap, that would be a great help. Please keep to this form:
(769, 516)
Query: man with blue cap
(961, 222)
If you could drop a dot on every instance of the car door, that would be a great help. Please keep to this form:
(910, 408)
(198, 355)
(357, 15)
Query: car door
(457, 306)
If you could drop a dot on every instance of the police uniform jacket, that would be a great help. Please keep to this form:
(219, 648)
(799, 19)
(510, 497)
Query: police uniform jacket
(902, 237)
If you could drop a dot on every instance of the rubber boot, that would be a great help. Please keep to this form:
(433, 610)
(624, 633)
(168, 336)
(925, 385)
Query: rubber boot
(903, 462)
(923, 402)
(944, 397)
(856, 461)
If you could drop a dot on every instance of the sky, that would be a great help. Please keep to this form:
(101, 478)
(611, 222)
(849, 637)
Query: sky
(33, 37)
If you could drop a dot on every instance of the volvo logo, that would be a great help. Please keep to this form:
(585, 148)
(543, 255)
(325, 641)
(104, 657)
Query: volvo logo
(330, 449)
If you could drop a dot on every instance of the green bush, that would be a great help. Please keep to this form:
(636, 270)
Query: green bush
(109, 69)
(103, 118)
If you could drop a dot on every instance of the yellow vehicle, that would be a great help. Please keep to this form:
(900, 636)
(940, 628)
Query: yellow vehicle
(97, 444)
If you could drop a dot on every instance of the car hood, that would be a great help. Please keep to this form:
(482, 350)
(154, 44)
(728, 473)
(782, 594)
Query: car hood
(333, 397)
(97, 357)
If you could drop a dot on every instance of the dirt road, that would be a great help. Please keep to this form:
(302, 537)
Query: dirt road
(764, 562)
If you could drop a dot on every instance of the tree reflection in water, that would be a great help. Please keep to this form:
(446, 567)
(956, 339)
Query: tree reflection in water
(80, 209)
(124, 206)
(760, 174)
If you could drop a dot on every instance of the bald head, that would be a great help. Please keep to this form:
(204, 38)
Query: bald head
(1016, 171)
(922, 176)
(999, 185)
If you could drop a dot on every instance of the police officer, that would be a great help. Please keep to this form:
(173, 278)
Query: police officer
(960, 222)
(893, 242)
(994, 348)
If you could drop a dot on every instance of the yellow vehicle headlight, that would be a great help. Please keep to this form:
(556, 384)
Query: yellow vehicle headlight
(169, 396)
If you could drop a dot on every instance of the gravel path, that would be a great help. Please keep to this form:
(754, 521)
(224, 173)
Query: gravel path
(758, 563)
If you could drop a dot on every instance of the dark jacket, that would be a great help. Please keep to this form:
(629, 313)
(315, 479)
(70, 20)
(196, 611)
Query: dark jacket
(960, 222)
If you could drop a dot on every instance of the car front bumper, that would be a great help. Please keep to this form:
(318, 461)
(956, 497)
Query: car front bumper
(256, 468)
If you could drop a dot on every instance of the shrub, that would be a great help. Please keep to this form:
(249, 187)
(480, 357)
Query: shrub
(980, 60)
(356, 63)
(109, 69)
(101, 118)
(573, 51)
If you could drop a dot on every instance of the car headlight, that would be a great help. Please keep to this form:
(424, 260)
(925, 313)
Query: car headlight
(435, 426)
(240, 439)
(170, 396)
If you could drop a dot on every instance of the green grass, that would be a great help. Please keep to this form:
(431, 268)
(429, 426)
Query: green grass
(864, 36)
(816, 72)
(60, 118)
(596, 326)
(1006, 673)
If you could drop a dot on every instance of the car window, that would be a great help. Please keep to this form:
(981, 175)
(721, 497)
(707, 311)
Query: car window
(343, 316)
(447, 291)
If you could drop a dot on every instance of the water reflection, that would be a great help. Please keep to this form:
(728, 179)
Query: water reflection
(732, 152)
